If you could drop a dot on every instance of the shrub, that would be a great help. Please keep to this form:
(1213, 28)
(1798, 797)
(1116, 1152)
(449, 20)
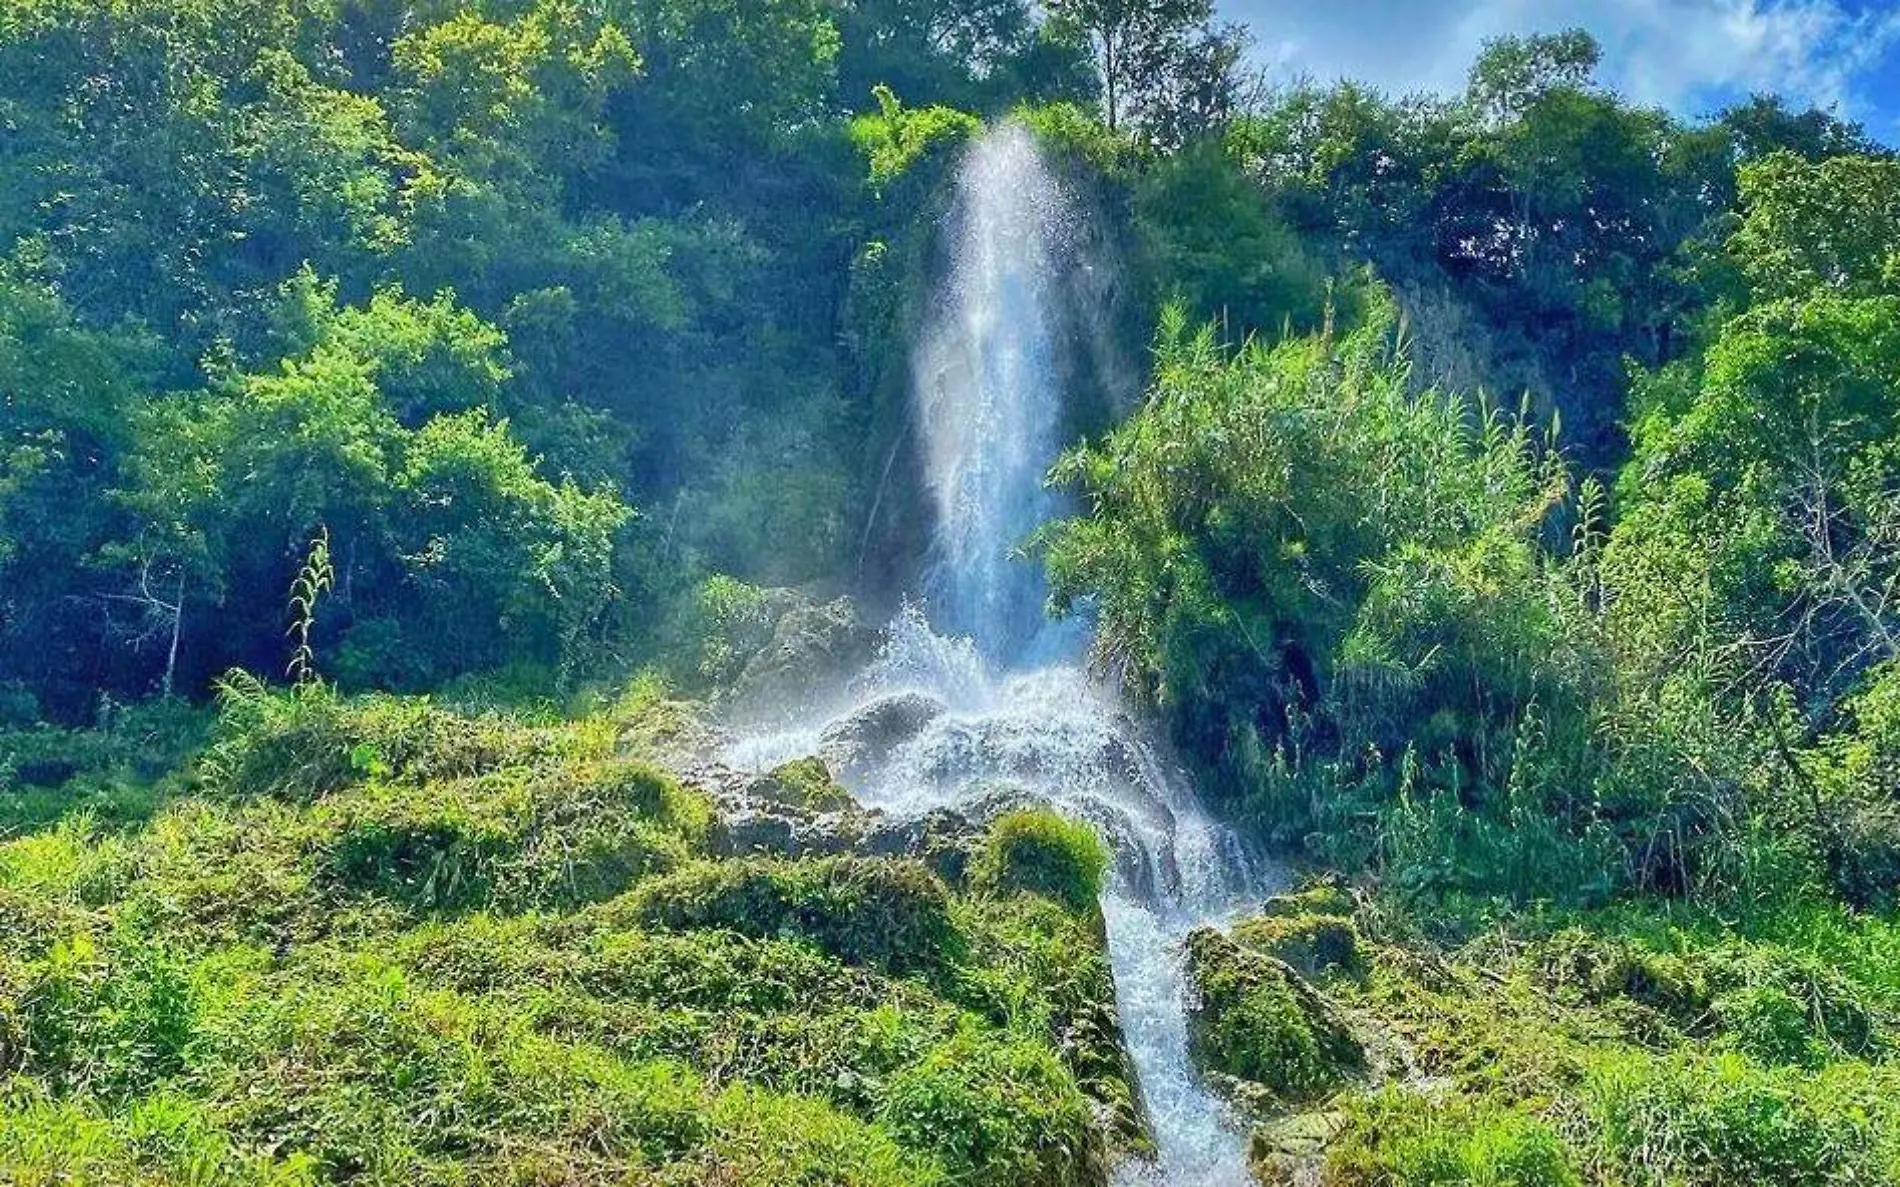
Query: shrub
(105, 1019)
(576, 832)
(1042, 853)
(308, 741)
(1775, 1003)
(1688, 1120)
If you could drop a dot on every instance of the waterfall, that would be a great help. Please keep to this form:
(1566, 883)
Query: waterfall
(1012, 705)
(984, 374)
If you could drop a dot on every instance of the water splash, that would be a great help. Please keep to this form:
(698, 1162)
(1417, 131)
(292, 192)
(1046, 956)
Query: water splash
(1011, 707)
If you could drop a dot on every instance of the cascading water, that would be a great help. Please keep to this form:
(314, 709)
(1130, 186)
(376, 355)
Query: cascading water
(984, 378)
(1000, 701)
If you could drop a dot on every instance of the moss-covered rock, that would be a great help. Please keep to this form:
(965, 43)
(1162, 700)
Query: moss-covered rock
(880, 912)
(997, 1115)
(805, 783)
(1323, 896)
(1288, 1150)
(1041, 852)
(1255, 1018)
(1316, 945)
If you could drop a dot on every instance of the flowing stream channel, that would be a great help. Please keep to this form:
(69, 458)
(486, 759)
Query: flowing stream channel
(999, 698)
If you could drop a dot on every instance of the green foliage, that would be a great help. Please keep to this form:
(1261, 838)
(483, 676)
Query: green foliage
(1043, 853)
(1213, 240)
(1743, 582)
(1832, 226)
(314, 580)
(895, 139)
(1331, 587)
(1718, 1119)
(390, 940)
(996, 1115)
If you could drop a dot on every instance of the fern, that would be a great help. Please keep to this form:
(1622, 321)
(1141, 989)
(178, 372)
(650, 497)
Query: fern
(314, 579)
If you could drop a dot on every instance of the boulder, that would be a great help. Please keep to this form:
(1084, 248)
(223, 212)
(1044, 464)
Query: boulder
(856, 745)
(1290, 1151)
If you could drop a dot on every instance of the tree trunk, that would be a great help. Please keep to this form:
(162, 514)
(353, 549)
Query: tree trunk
(178, 622)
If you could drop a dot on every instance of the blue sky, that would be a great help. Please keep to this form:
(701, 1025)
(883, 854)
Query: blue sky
(1692, 56)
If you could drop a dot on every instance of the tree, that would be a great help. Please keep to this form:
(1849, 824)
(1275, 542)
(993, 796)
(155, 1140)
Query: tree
(1163, 63)
(1295, 554)
(1832, 225)
(1512, 73)
(1763, 501)
(973, 55)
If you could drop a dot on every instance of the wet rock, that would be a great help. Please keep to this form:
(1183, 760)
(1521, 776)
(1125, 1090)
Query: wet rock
(1290, 1151)
(797, 810)
(804, 783)
(858, 744)
(1257, 1019)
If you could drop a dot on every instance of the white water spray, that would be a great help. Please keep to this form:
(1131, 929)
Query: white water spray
(1010, 707)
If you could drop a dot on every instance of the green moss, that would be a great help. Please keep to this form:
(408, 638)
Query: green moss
(1040, 852)
(1325, 896)
(807, 783)
(1256, 1019)
(881, 912)
(1314, 944)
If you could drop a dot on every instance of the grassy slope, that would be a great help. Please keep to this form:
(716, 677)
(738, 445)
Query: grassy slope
(1647, 1044)
(377, 941)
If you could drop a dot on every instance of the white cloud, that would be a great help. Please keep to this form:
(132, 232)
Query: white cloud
(1687, 55)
